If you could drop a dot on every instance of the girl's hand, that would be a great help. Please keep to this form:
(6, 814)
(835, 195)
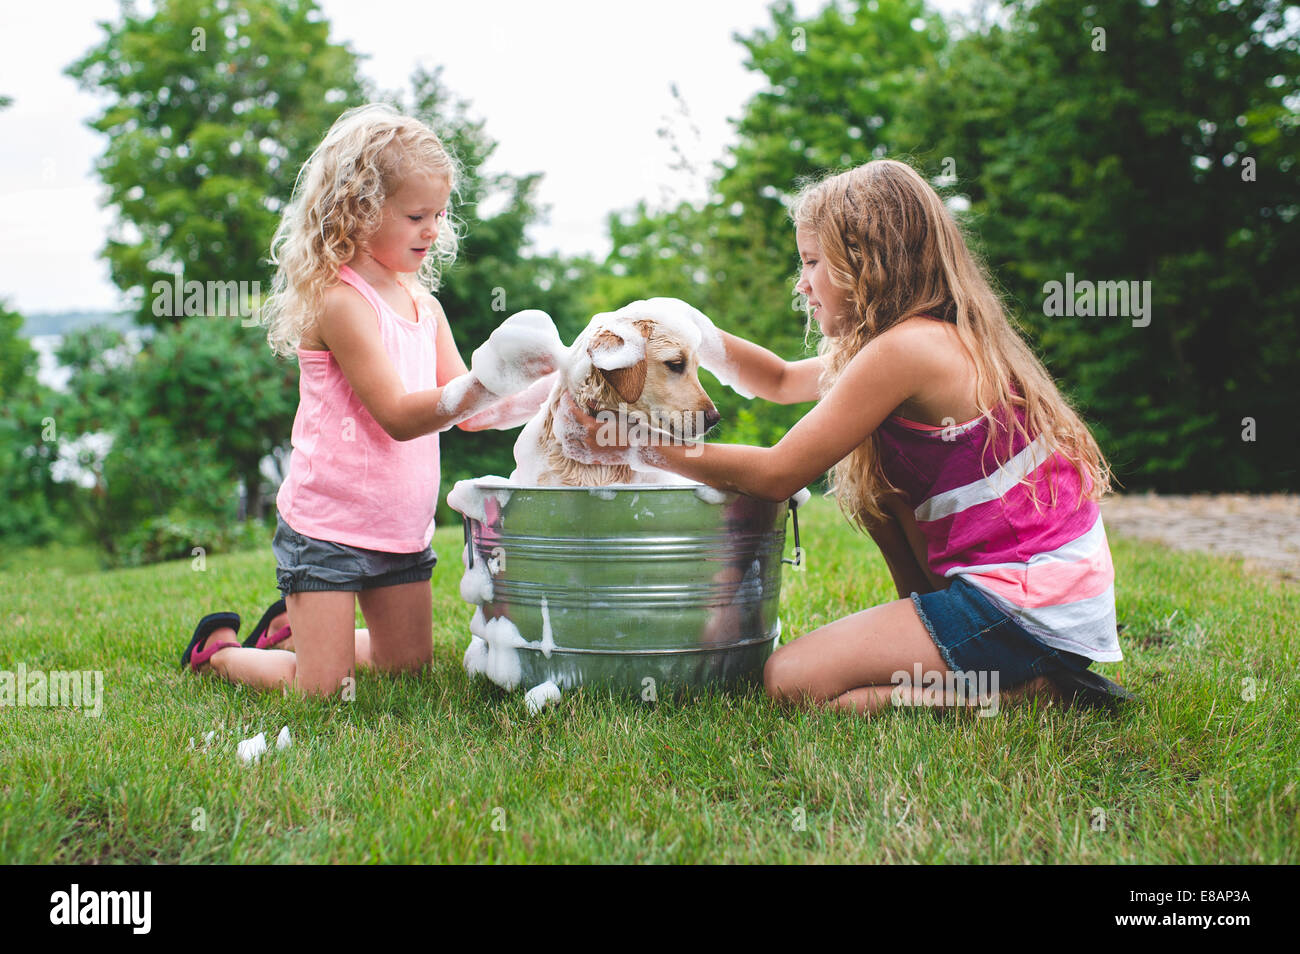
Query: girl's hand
(591, 441)
(522, 349)
(504, 413)
(713, 346)
(712, 349)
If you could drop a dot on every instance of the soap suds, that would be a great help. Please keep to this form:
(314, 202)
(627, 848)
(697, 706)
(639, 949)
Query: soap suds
(517, 409)
(537, 698)
(251, 750)
(494, 647)
(692, 324)
(679, 318)
(547, 644)
(464, 497)
(521, 349)
(461, 398)
(498, 657)
(475, 660)
(622, 346)
(476, 583)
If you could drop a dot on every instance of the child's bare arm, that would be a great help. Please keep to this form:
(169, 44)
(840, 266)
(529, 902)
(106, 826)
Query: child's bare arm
(496, 413)
(514, 410)
(347, 328)
(450, 363)
(878, 379)
(903, 548)
(769, 376)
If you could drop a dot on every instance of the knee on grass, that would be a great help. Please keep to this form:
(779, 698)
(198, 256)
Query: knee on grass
(784, 678)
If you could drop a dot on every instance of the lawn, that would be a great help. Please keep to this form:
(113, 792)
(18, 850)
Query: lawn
(438, 769)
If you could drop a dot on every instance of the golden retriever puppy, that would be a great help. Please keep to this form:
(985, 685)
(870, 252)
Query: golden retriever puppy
(641, 361)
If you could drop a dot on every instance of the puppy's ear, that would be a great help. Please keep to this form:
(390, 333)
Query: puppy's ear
(628, 382)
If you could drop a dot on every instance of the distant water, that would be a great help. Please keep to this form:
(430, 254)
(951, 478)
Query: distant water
(48, 370)
(69, 466)
(54, 375)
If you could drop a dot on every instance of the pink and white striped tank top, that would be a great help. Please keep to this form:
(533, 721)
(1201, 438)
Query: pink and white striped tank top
(1049, 568)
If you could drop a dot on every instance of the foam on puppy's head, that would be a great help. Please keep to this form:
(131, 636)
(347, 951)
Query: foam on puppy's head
(616, 345)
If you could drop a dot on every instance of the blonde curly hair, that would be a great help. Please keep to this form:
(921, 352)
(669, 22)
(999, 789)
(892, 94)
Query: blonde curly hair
(892, 245)
(338, 201)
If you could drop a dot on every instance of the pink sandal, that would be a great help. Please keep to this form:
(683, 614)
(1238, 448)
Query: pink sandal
(266, 641)
(194, 657)
(261, 637)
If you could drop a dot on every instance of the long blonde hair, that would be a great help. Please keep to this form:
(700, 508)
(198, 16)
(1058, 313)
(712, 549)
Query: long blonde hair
(892, 245)
(338, 201)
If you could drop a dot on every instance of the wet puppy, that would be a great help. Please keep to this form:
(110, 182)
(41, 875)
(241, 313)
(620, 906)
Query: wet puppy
(632, 361)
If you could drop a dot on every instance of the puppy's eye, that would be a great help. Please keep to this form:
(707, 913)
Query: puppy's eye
(677, 365)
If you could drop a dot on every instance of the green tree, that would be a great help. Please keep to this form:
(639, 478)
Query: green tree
(1169, 156)
(494, 274)
(835, 88)
(32, 513)
(214, 107)
(1150, 142)
(218, 135)
(154, 473)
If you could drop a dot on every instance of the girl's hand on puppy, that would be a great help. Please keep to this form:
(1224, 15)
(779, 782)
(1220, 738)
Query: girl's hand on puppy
(580, 434)
(590, 440)
(713, 345)
(712, 348)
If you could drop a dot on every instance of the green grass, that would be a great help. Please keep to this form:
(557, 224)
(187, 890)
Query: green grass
(418, 768)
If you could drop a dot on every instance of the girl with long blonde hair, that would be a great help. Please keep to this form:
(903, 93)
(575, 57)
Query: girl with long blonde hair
(379, 377)
(946, 440)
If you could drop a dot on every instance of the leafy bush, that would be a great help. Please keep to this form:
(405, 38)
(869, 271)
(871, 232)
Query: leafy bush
(179, 536)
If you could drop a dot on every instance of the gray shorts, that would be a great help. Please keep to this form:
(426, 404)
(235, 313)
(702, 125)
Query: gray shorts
(307, 564)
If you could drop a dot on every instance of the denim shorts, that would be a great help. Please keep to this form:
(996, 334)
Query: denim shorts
(974, 636)
(307, 564)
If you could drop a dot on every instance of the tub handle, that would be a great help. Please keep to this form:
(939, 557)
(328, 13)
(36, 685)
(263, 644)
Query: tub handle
(797, 563)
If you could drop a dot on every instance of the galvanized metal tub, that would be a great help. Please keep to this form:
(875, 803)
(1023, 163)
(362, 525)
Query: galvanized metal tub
(645, 588)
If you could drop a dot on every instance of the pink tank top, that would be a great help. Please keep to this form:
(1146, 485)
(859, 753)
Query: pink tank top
(349, 482)
(1048, 566)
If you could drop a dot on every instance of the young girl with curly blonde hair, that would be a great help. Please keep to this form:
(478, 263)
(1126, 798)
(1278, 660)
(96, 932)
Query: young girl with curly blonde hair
(380, 376)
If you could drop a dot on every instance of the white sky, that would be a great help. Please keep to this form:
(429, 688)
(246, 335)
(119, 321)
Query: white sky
(571, 88)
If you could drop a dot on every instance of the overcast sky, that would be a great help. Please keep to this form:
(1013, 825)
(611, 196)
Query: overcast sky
(573, 89)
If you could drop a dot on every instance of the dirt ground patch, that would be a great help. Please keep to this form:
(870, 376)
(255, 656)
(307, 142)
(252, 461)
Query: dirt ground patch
(1264, 529)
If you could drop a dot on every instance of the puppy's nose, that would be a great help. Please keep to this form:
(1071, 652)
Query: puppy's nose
(711, 417)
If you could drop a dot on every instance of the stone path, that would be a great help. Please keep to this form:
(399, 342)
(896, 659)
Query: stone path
(1262, 528)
